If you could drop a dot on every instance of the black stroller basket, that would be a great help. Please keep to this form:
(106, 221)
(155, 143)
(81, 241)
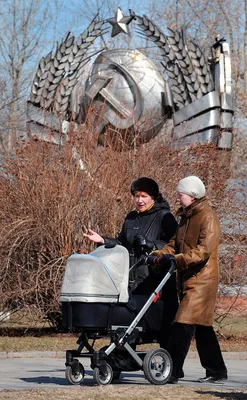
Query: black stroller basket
(126, 324)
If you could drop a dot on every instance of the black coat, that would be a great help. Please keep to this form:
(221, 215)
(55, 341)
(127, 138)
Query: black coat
(157, 225)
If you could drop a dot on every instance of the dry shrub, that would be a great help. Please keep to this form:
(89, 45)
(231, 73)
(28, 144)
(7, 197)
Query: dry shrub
(50, 195)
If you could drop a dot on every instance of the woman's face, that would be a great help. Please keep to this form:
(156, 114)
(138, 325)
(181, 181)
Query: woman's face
(185, 200)
(142, 201)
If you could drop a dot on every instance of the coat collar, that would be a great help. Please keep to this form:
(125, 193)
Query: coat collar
(193, 209)
(155, 208)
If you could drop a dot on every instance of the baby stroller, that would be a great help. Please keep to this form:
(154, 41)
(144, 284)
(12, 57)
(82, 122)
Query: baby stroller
(95, 301)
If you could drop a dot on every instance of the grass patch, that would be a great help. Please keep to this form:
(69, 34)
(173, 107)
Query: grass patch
(19, 337)
(42, 343)
(231, 325)
(63, 342)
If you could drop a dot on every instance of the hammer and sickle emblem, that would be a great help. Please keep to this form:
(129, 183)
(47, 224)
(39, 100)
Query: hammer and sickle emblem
(113, 85)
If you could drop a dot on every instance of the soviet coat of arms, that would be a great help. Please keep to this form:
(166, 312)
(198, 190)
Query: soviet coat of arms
(128, 92)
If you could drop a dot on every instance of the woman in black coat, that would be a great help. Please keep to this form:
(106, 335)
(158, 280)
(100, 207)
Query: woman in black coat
(148, 227)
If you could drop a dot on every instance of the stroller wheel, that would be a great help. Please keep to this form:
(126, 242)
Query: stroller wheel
(102, 379)
(157, 366)
(74, 379)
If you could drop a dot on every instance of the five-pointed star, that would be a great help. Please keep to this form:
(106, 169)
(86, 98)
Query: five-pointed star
(120, 23)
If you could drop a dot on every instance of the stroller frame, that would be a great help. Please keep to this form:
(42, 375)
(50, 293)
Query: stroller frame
(156, 364)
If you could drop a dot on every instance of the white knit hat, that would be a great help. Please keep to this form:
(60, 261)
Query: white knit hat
(191, 185)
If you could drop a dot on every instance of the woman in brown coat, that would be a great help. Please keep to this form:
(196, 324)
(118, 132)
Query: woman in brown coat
(195, 247)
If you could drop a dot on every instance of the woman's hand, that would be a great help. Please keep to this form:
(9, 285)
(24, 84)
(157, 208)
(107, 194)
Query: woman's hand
(94, 236)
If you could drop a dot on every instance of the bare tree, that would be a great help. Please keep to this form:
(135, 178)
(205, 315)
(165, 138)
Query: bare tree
(23, 25)
(245, 47)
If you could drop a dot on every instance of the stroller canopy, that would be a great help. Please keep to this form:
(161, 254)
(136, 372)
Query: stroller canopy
(100, 276)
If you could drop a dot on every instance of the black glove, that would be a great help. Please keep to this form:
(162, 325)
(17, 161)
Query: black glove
(166, 261)
(148, 260)
(140, 242)
(151, 260)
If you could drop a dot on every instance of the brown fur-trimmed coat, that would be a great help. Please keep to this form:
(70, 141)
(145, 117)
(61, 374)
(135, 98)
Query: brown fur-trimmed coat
(195, 246)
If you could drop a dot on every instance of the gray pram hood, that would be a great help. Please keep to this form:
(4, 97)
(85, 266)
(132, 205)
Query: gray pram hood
(100, 276)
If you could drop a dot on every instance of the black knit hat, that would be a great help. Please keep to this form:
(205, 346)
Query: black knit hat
(147, 185)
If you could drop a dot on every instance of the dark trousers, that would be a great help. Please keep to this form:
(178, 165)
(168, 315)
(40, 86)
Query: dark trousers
(207, 346)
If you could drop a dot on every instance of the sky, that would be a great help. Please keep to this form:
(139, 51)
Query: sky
(75, 15)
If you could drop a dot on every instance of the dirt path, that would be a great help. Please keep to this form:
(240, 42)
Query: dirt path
(113, 392)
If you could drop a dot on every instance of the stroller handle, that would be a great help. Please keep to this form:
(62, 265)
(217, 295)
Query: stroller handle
(173, 266)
